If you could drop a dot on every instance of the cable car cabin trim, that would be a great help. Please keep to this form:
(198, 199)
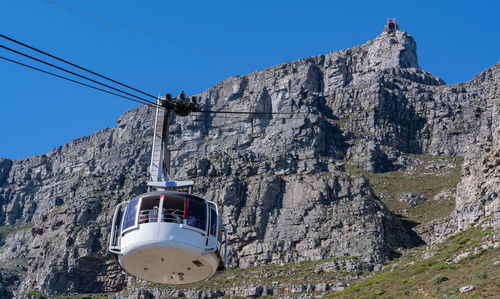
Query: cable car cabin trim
(116, 248)
(136, 217)
(195, 229)
(209, 249)
(225, 246)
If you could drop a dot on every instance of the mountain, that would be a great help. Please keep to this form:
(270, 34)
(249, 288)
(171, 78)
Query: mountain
(304, 186)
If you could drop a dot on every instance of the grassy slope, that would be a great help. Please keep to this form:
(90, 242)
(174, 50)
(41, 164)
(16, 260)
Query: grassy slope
(390, 186)
(412, 277)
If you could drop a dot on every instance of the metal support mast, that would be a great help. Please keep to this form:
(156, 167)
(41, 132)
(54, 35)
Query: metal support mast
(159, 169)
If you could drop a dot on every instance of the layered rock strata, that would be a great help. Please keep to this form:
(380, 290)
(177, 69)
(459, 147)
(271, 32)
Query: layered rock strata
(280, 180)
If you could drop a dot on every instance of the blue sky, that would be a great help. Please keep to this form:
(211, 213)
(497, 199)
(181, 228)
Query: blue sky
(455, 39)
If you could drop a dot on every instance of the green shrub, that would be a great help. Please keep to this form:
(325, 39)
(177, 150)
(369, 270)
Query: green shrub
(37, 294)
(480, 275)
(379, 292)
(439, 279)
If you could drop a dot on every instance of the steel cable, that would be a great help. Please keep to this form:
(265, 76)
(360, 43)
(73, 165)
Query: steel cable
(75, 81)
(72, 64)
(73, 73)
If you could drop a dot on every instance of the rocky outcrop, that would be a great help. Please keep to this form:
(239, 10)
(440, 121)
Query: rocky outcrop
(477, 199)
(478, 194)
(308, 217)
(280, 180)
(5, 165)
(366, 154)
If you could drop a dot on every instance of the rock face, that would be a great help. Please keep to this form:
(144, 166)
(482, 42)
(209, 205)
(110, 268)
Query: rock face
(478, 192)
(280, 181)
(5, 165)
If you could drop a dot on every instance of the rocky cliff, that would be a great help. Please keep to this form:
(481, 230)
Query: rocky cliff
(281, 181)
(478, 191)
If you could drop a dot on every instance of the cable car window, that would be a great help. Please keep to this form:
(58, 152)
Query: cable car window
(118, 227)
(173, 209)
(197, 213)
(129, 219)
(149, 209)
(213, 221)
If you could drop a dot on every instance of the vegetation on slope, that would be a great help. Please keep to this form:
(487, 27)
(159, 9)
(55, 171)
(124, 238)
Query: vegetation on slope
(467, 258)
(422, 180)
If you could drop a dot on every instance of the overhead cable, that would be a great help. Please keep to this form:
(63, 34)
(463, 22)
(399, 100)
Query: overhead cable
(75, 65)
(75, 81)
(138, 99)
(148, 34)
(73, 73)
(249, 116)
(245, 112)
(240, 114)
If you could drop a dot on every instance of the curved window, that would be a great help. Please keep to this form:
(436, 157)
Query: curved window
(197, 213)
(129, 218)
(213, 221)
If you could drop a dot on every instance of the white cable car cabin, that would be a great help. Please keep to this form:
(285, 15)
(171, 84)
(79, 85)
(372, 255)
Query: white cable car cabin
(169, 237)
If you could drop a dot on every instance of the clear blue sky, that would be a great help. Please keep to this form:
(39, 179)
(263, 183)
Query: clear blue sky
(456, 40)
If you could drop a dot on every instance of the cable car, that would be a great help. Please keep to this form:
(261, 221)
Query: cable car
(168, 235)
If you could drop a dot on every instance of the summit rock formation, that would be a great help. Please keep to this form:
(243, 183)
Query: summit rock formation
(281, 181)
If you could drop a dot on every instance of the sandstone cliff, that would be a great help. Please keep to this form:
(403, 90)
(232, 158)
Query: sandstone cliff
(281, 181)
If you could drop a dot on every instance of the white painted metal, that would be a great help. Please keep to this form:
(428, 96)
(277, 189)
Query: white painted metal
(114, 245)
(155, 169)
(212, 241)
(171, 184)
(166, 253)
